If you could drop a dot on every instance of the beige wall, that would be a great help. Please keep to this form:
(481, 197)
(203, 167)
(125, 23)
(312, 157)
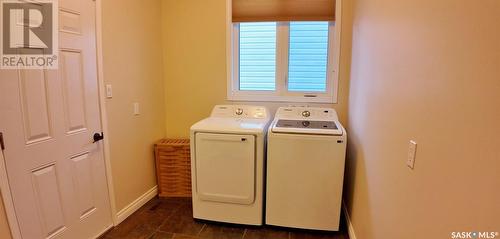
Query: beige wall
(194, 42)
(133, 65)
(430, 71)
(4, 225)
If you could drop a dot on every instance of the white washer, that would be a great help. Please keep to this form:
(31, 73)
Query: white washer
(305, 168)
(227, 164)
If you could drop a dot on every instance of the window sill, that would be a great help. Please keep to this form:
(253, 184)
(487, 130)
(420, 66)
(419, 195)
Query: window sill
(275, 98)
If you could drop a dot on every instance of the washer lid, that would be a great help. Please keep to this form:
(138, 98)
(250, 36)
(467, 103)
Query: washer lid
(307, 127)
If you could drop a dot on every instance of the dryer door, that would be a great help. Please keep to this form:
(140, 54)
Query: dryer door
(225, 167)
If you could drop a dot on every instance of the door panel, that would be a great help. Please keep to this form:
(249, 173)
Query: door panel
(73, 90)
(225, 167)
(71, 22)
(47, 194)
(48, 117)
(82, 180)
(34, 104)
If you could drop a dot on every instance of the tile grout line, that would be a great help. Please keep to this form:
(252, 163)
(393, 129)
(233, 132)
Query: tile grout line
(139, 211)
(198, 234)
(244, 233)
(169, 216)
(158, 227)
(152, 234)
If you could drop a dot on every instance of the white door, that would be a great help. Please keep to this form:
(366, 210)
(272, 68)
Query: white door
(48, 117)
(225, 167)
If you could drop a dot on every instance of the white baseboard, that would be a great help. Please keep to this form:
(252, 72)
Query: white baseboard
(136, 204)
(103, 231)
(350, 228)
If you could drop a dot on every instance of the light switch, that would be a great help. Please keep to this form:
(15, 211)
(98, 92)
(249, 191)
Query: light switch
(109, 91)
(136, 109)
(412, 152)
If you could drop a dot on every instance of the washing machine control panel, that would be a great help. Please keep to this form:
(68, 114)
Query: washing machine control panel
(306, 113)
(240, 111)
(304, 124)
(306, 120)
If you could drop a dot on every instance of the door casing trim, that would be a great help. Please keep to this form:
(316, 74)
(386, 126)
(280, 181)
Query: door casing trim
(102, 104)
(8, 203)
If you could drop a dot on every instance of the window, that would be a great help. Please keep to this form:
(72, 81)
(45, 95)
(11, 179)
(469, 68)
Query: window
(257, 56)
(293, 61)
(308, 56)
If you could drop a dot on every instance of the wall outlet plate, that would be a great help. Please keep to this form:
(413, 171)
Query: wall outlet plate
(137, 111)
(109, 91)
(412, 152)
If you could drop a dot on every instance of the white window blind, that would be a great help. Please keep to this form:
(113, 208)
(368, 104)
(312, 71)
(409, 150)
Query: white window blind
(257, 56)
(308, 56)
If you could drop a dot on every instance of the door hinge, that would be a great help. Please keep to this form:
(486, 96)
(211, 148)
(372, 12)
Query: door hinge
(2, 145)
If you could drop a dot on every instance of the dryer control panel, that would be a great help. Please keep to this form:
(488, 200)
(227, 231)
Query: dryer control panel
(240, 111)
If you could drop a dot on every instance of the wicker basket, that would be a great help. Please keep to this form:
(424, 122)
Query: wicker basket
(173, 167)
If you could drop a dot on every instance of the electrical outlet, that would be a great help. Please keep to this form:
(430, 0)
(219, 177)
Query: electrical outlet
(412, 152)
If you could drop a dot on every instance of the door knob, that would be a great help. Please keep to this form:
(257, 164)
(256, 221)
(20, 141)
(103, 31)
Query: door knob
(306, 113)
(98, 137)
(239, 111)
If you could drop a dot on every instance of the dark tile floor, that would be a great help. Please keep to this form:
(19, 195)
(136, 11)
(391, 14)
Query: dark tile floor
(171, 218)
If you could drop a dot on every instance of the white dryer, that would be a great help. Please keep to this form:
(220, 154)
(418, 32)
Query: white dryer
(305, 168)
(227, 164)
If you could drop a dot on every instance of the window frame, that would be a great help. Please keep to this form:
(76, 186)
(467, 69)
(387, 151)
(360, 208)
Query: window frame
(281, 94)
